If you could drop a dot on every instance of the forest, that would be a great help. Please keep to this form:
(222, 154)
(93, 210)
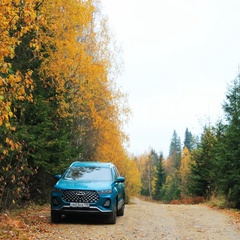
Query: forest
(59, 102)
(203, 168)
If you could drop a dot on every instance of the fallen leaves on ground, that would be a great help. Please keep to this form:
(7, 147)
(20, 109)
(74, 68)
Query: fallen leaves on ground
(26, 224)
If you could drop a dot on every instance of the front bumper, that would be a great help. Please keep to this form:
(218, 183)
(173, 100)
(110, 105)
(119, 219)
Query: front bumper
(104, 205)
(91, 210)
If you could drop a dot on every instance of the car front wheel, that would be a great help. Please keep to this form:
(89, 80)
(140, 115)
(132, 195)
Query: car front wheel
(113, 217)
(55, 217)
(120, 212)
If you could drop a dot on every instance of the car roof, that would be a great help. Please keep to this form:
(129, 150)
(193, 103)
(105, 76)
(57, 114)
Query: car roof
(91, 164)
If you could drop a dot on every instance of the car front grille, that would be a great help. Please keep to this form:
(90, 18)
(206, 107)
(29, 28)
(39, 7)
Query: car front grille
(82, 196)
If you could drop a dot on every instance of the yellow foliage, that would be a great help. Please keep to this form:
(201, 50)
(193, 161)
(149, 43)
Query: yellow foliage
(77, 67)
(13, 85)
(184, 170)
(5, 152)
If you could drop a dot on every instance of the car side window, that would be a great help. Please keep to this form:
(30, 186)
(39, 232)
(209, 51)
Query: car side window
(116, 173)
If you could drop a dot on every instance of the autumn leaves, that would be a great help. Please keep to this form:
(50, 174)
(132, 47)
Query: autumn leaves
(55, 62)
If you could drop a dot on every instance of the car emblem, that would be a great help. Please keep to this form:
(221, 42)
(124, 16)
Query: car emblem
(80, 193)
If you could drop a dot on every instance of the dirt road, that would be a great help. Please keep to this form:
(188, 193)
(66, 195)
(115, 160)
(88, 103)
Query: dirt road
(146, 220)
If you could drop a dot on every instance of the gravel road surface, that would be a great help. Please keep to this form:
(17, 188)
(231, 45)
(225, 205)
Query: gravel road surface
(147, 220)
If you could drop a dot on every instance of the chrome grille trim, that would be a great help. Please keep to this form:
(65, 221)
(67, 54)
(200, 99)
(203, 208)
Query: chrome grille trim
(81, 196)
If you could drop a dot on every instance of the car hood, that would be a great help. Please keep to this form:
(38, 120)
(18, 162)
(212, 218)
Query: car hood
(83, 185)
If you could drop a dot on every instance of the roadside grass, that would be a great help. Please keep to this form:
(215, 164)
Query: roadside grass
(188, 200)
(218, 202)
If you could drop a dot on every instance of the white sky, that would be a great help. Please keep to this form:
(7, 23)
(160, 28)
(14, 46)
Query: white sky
(179, 56)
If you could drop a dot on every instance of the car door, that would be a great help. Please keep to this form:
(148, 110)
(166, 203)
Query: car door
(120, 187)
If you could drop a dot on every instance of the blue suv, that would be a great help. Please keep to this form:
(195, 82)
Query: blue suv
(88, 188)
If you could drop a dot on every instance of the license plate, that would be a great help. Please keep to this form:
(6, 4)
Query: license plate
(81, 205)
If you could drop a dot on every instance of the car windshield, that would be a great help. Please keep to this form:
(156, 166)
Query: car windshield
(88, 173)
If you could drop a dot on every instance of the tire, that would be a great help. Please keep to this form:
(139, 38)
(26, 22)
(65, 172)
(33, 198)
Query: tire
(113, 217)
(120, 212)
(55, 217)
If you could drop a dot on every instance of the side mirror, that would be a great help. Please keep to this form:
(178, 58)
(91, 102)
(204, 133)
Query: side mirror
(120, 179)
(57, 176)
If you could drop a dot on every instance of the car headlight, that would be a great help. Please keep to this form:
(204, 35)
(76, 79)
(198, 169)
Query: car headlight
(107, 191)
(57, 190)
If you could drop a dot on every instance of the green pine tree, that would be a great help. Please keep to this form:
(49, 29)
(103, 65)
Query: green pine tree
(159, 178)
(189, 141)
(230, 169)
(175, 150)
(203, 174)
(45, 137)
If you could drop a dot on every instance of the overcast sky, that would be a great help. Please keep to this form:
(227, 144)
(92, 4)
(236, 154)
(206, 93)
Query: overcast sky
(179, 56)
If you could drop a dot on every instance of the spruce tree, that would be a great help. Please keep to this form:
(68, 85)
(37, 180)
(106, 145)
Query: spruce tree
(204, 166)
(159, 177)
(175, 150)
(230, 170)
(189, 140)
(44, 136)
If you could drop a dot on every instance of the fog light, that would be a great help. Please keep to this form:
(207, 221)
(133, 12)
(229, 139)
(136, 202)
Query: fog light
(107, 203)
(54, 202)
